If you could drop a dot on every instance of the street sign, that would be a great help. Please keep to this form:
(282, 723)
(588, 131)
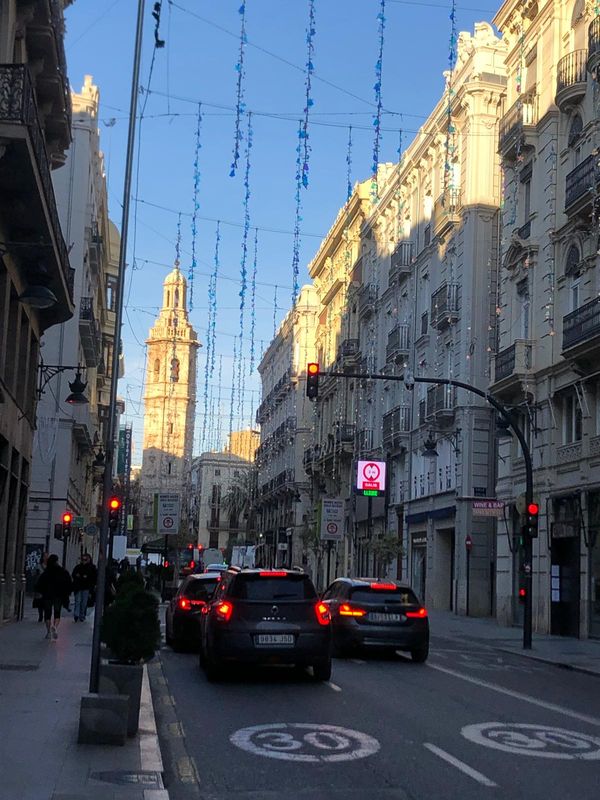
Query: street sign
(332, 519)
(488, 508)
(468, 542)
(91, 529)
(167, 513)
(79, 522)
(370, 478)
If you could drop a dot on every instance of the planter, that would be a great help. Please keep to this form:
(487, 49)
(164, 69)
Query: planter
(124, 679)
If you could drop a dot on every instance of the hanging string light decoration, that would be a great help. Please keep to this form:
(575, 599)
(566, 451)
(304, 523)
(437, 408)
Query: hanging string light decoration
(193, 264)
(310, 68)
(297, 218)
(378, 103)
(240, 106)
(349, 165)
(274, 318)
(244, 259)
(450, 129)
(232, 402)
(178, 242)
(212, 300)
(399, 151)
(253, 302)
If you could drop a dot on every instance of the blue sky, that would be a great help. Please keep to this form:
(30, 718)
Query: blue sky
(196, 65)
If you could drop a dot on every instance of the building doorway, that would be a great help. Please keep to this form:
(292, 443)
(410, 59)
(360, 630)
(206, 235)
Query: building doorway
(565, 567)
(418, 564)
(593, 539)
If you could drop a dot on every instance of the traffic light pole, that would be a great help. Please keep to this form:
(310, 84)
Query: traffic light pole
(110, 425)
(527, 541)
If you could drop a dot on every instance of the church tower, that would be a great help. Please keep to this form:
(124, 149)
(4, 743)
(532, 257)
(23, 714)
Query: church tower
(169, 399)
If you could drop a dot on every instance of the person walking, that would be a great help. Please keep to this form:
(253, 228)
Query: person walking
(84, 582)
(55, 587)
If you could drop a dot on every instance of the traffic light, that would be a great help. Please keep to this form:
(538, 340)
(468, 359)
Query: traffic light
(67, 519)
(522, 594)
(312, 381)
(114, 512)
(532, 516)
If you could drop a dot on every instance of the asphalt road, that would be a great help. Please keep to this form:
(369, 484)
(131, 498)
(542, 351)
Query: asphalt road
(471, 723)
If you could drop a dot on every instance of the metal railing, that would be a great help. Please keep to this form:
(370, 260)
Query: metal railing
(581, 179)
(344, 432)
(594, 37)
(522, 113)
(398, 340)
(440, 399)
(444, 301)
(402, 256)
(582, 324)
(348, 348)
(572, 69)
(396, 423)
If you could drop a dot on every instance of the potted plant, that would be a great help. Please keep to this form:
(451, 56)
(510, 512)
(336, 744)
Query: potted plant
(131, 630)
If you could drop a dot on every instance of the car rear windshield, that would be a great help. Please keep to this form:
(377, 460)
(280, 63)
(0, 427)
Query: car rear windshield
(199, 590)
(255, 587)
(364, 594)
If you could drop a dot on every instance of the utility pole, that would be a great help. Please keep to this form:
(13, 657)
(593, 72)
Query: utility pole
(110, 425)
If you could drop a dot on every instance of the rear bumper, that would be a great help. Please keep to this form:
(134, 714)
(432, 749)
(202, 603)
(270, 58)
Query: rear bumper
(237, 646)
(354, 635)
(186, 627)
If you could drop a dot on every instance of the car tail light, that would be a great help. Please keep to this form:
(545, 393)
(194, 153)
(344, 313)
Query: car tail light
(272, 573)
(346, 610)
(384, 587)
(323, 614)
(420, 614)
(184, 604)
(224, 610)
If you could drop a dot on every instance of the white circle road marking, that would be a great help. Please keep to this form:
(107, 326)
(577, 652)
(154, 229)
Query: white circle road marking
(542, 741)
(298, 741)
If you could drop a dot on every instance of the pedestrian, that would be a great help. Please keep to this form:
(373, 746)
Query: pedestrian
(38, 600)
(55, 587)
(84, 583)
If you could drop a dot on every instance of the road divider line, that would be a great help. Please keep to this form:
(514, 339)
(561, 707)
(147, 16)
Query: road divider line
(472, 773)
(333, 686)
(357, 661)
(567, 712)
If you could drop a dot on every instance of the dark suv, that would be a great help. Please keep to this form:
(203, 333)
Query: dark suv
(182, 619)
(366, 612)
(266, 616)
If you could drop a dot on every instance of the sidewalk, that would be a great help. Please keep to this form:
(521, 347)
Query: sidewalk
(582, 655)
(41, 684)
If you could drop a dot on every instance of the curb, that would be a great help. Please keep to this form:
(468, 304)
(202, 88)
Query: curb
(541, 660)
(150, 753)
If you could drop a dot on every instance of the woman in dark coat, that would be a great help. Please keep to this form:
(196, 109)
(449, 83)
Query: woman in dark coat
(54, 585)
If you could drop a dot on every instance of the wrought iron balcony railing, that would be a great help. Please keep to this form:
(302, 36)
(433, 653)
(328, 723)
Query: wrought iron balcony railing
(582, 324)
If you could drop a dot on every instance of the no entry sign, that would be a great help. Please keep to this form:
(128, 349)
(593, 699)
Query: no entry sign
(370, 478)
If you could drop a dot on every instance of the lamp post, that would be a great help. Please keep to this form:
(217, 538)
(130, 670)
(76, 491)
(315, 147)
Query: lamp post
(78, 386)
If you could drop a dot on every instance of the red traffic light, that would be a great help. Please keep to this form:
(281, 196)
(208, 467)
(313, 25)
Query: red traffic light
(312, 369)
(166, 564)
(114, 503)
(533, 509)
(67, 517)
(192, 564)
(522, 593)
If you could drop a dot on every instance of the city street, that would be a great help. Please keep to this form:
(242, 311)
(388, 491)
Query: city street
(472, 722)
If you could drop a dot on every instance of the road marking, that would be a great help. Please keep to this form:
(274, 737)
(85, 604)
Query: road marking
(357, 661)
(541, 741)
(519, 696)
(472, 773)
(305, 742)
(333, 686)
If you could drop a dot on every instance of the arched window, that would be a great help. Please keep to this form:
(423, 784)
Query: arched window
(176, 298)
(573, 260)
(156, 369)
(575, 130)
(168, 298)
(174, 370)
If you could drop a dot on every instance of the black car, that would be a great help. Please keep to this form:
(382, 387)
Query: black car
(366, 612)
(266, 616)
(182, 623)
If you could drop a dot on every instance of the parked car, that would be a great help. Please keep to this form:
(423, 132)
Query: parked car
(266, 615)
(182, 622)
(216, 568)
(366, 612)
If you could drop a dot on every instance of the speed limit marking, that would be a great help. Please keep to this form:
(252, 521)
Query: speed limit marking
(542, 741)
(305, 741)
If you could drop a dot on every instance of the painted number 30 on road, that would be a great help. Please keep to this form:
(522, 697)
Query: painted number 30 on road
(303, 741)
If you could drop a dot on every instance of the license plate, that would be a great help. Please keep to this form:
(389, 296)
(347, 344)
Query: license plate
(376, 617)
(266, 639)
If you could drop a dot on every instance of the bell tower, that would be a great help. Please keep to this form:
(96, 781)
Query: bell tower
(169, 398)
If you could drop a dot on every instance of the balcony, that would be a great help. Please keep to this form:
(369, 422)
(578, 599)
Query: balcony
(95, 248)
(581, 331)
(444, 305)
(401, 261)
(517, 124)
(446, 212)
(396, 427)
(441, 401)
(90, 333)
(25, 173)
(571, 79)
(344, 433)
(579, 186)
(349, 351)
(397, 344)
(511, 367)
(594, 46)
(365, 441)
(366, 300)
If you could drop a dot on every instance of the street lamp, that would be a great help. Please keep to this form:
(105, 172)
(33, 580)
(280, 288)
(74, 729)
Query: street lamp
(77, 387)
(38, 296)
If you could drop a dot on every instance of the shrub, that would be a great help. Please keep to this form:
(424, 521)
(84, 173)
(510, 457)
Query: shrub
(130, 626)
(129, 581)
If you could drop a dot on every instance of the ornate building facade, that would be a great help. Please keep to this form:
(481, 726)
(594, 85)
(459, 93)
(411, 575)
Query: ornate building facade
(169, 401)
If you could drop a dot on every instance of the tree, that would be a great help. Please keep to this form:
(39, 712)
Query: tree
(238, 502)
(386, 549)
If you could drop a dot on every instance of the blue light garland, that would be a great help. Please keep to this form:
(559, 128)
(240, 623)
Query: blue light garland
(232, 389)
(212, 293)
(178, 242)
(450, 129)
(310, 68)
(349, 166)
(297, 219)
(274, 317)
(240, 106)
(253, 302)
(193, 264)
(244, 260)
(378, 103)
(399, 150)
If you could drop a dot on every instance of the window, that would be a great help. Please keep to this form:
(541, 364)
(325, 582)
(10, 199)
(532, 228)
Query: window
(524, 308)
(572, 419)
(111, 293)
(217, 473)
(236, 473)
(575, 291)
(176, 298)
(170, 467)
(156, 369)
(424, 322)
(174, 370)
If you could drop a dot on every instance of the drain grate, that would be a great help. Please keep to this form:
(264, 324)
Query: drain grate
(146, 778)
(19, 667)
